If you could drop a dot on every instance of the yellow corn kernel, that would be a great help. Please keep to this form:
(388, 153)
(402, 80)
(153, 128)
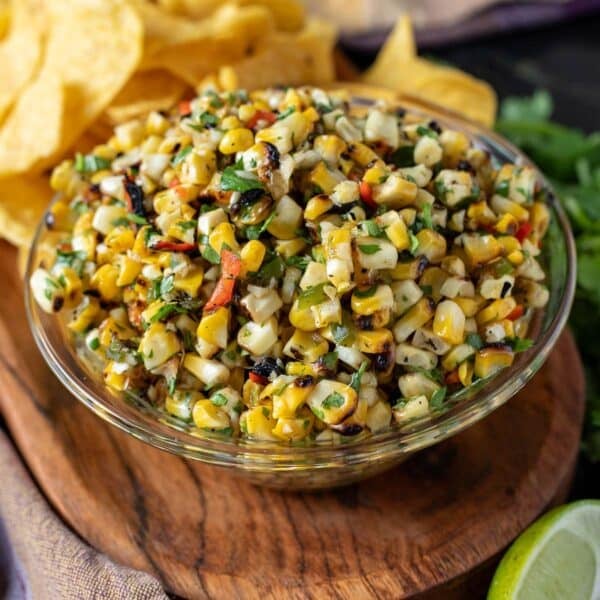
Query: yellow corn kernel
(302, 318)
(190, 283)
(516, 258)
(432, 245)
(509, 327)
(156, 124)
(208, 416)
(298, 369)
(113, 378)
(469, 306)
(378, 416)
(382, 299)
(465, 373)
(110, 329)
(289, 401)
(251, 392)
(312, 114)
(197, 169)
(292, 429)
(213, 328)
(408, 270)
(504, 205)
(454, 143)
(496, 310)
(230, 122)
(287, 248)
(223, 234)
(449, 322)
(120, 239)
(330, 147)
(157, 345)
(129, 269)
(65, 179)
(396, 192)
(362, 154)
(317, 206)
(85, 314)
(309, 345)
(258, 423)
(481, 212)
(507, 224)
(130, 134)
(105, 281)
(332, 401)
(323, 178)
(491, 360)
(252, 256)
(246, 112)
(397, 233)
(374, 342)
(540, 218)
(509, 244)
(181, 402)
(83, 223)
(481, 249)
(61, 217)
(375, 174)
(236, 140)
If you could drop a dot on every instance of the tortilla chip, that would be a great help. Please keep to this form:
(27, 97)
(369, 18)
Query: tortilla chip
(144, 92)
(5, 14)
(399, 47)
(286, 59)
(24, 200)
(33, 130)
(228, 36)
(21, 51)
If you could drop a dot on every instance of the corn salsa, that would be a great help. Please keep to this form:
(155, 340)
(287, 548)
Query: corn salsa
(289, 264)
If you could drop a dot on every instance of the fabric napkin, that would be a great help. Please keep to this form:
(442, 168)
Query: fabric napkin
(41, 558)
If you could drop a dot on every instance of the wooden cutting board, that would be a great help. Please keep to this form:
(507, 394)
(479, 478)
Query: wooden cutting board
(433, 526)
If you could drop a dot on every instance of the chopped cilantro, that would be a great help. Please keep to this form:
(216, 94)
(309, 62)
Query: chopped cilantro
(366, 293)
(233, 181)
(286, 113)
(180, 156)
(437, 398)
(373, 229)
(520, 344)
(90, 163)
(369, 248)
(253, 232)
(329, 360)
(219, 399)
(414, 243)
(311, 296)
(94, 344)
(335, 400)
(474, 339)
(357, 377)
(503, 187)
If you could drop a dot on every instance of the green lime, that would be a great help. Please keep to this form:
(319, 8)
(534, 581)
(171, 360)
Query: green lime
(556, 558)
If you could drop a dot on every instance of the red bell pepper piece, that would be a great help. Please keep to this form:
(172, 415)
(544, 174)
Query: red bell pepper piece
(523, 231)
(452, 377)
(231, 266)
(366, 194)
(256, 378)
(261, 115)
(174, 182)
(185, 108)
(516, 312)
(173, 246)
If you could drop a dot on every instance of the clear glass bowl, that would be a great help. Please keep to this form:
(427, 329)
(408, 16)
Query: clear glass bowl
(324, 465)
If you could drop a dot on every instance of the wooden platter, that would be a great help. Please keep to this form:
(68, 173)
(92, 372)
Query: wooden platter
(433, 526)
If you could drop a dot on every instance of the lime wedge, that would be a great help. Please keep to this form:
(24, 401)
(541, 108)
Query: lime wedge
(556, 558)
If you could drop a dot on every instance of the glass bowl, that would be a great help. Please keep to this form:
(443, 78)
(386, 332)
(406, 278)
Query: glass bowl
(325, 465)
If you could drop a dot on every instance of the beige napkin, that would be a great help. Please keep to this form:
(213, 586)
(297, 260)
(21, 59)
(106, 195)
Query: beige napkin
(40, 558)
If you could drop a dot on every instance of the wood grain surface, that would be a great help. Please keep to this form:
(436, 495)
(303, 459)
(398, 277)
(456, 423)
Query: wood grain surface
(433, 526)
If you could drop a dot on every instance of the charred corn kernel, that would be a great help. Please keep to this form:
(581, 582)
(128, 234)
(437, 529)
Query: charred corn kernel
(374, 342)
(415, 317)
(223, 235)
(213, 327)
(496, 310)
(207, 415)
(454, 143)
(395, 192)
(308, 345)
(105, 281)
(252, 256)
(292, 429)
(469, 306)
(490, 360)
(449, 322)
(287, 248)
(379, 417)
(481, 213)
(190, 282)
(236, 140)
(362, 154)
(397, 233)
(507, 224)
(70, 284)
(317, 206)
(114, 376)
(157, 345)
(376, 174)
(258, 423)
(323, 178)
(129, 269)
(540, 218)
(432, 245)
(330, 148)
(290, 400)
(197, 169)
(481, 249)
(47, 291)
(381, 299)
(251, 392)
(85, 314)
(120, 239)
(408, 270)
(465, 373)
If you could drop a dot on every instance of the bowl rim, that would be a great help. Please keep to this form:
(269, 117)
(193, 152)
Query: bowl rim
(252, 455)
